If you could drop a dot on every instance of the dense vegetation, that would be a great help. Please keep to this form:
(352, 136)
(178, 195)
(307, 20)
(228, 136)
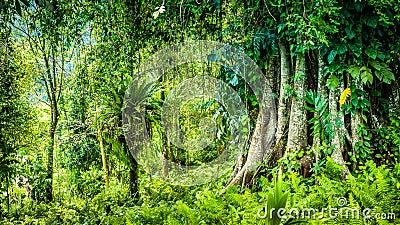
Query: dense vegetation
(326, 136)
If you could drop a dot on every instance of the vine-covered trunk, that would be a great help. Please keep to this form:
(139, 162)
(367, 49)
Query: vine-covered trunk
(133, 177)
(356, 116)
(337, 121)
(133, 170)
(321, 89)
(260, 149)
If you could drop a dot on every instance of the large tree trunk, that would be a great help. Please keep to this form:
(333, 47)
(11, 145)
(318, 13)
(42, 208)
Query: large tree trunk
(261, 143)
(297, 137)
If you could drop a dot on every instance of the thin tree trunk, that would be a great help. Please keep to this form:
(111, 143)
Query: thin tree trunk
(133, 177)
(8, 192)
(101, 145)
(50, 154)
(394, 99)
(297, 138)
(133, 170)
(103, 155)
(356, 119)
(321, 89)
(337, 141)
(51, 89)
(283, 103)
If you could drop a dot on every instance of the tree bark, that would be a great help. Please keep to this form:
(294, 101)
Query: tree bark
(260, 149)
(53, 94)
(337, 121)
(101, 145)
(283, 103)
(133, 177)
(297, 138)
(133, 170)
(321, 89)
(103, 156)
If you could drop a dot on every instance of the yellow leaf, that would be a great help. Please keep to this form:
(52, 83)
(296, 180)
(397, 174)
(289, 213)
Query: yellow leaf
(343, 97)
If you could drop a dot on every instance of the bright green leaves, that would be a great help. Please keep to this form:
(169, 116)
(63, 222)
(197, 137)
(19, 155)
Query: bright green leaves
(363, 147)
(387, 76)
(332, 82)
(356, 101)
(379, 69)
(276, 200)
(354, 71)
(382, 71)
(366, 75)
(318, 105)
(364, 72)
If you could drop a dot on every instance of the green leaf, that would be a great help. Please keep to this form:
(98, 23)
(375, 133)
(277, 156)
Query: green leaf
(354, 102)
(372, 53)
(366, 76)
(364, 118)
(332, 82)
(372, 22)
(381, 56)
(234, 81)
(356, 48)
(332, 56)
(354, 71)
(350, 33)
(375, 64)
(333, 67)
(342, 48)
(387, 76)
